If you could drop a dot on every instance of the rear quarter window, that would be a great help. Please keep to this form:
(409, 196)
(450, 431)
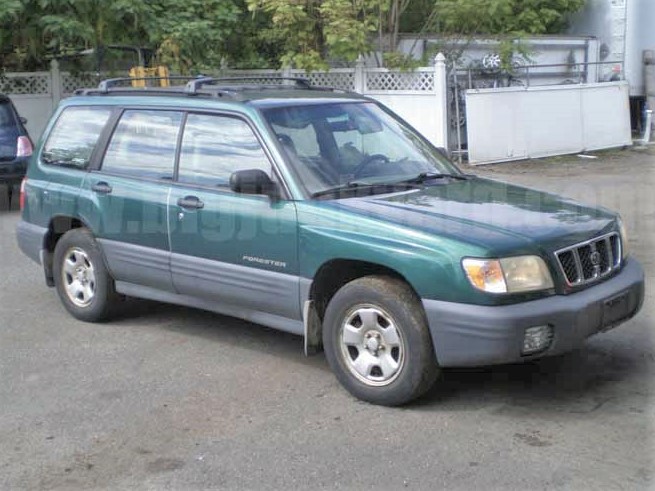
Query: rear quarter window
(74, 136)
(6, 115)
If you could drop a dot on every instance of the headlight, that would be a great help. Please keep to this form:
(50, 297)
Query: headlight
(508, 275)
(624, 239)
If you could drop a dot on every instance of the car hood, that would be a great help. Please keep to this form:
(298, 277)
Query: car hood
(500, 217)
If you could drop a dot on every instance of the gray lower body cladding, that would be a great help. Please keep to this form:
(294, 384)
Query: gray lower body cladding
(31, 239)
(463, 334)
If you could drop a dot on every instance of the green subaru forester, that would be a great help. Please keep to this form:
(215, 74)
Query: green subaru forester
(321, 213)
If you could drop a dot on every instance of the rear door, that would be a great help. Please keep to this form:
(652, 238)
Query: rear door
(53, 187)
(127, 196)
(237, 249)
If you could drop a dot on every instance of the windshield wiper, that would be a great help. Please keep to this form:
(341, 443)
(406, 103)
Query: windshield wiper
(426, 176)
(358, 185)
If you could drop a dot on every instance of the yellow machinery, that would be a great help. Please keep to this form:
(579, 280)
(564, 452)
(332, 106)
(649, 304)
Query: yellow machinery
(159, 73)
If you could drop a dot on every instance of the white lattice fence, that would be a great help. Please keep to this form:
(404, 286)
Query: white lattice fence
(264, 76)
(71, 82)
(343, 78)
(37, 83)
(385, 80)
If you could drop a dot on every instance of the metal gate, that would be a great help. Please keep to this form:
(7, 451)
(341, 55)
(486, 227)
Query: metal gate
(531, 111)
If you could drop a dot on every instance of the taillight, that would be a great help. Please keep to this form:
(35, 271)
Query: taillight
(21, 199)
(23, 147)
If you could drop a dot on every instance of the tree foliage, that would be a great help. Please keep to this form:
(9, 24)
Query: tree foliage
(502, 17)
(311, 31)
(195, 35)
(186, 34)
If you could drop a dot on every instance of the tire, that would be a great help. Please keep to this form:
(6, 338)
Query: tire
(379, 321)
(82, 280)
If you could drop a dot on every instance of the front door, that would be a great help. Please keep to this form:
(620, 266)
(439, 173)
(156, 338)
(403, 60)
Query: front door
(236, 249)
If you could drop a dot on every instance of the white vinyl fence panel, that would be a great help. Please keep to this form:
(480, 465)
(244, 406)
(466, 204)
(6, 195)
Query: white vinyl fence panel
(419, 97)
(531, 122)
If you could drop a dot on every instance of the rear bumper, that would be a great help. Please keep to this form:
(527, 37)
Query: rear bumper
(475, 335)
(31, 240)
(12, 172)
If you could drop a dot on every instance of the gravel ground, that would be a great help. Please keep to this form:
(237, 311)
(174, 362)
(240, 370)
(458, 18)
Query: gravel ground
(172, 398)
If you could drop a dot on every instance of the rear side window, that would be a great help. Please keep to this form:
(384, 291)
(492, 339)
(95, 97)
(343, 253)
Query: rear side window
(143, 144)
(76, 132)
(213, 147)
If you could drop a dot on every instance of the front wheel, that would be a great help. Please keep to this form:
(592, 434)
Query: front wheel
(83, 282)
(377, 341)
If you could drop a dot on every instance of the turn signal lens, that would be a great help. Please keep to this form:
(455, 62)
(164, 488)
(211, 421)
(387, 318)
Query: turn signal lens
(485, 274)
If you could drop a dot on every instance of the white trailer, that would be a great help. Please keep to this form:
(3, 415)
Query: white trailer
(624, 29)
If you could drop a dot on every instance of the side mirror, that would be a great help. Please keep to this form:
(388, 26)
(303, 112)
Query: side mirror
(22, 120)
(253, 181)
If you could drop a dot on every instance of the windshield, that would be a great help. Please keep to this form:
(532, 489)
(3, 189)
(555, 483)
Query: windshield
(336, 144)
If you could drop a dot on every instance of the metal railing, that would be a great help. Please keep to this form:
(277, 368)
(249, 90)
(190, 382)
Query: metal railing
(569, 72)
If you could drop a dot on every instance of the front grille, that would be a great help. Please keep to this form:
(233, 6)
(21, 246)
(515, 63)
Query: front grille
(591, 260)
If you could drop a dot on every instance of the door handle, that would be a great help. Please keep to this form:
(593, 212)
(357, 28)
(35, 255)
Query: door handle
(190, 203)
(101, 188)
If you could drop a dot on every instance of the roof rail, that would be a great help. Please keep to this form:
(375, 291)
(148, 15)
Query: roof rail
(222, 86)
(193, 85)
(105, 85)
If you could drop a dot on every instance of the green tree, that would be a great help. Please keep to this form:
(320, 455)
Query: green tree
(297, 27)
(311, 31)
(192, 34)
(187, 34)
(501, 17)
(21, 40)
(71, 25)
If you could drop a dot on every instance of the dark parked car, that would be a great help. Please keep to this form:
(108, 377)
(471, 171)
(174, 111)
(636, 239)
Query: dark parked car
(15, 146)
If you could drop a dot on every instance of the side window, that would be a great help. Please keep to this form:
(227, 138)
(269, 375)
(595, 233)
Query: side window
(143, 144)
(74, 136)
(213, 147)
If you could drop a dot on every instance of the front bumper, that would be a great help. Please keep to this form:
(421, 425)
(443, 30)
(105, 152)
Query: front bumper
(475, 335)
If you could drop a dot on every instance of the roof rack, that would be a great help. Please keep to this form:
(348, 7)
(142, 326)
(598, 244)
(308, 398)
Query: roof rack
(193, 85)
(196, 82)
(232, 87)
(105, 85)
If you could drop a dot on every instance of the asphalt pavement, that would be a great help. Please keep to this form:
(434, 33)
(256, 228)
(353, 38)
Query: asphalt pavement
(165, 397)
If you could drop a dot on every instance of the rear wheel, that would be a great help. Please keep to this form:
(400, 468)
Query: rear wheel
(377, 341)
(83, 282)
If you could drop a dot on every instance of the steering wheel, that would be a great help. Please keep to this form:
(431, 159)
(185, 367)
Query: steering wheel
(376, 157)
